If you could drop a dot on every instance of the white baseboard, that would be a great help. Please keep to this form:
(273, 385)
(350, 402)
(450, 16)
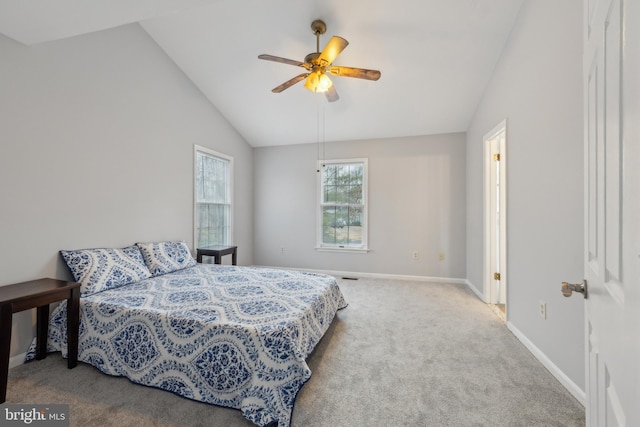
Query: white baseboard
(17, 360)
(576, 391)
(474, 290)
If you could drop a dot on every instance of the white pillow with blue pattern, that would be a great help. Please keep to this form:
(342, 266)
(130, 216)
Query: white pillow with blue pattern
(166, 257)
(101, 269)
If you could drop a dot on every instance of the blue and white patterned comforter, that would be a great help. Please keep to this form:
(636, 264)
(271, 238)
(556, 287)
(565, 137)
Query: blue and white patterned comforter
(231, 336)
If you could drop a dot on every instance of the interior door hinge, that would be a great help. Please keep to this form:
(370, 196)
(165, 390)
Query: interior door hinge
(496, 276)
(496, 157)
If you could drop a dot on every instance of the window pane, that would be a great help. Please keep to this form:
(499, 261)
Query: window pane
(340, 228)
(329, 225)
(355, 216)
(342, 194)
(342, 174)
(328, 235)
(342, 217)
(329, 172)
(329, 216)
(356, 172)
(355, 235)
(355, 194)
(355, 225)
(330, 194)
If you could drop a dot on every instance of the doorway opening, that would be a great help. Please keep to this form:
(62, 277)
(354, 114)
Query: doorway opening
(495, 277)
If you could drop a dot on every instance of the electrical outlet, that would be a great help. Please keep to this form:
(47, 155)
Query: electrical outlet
(543, 310)
(441, 256)
(415, 255)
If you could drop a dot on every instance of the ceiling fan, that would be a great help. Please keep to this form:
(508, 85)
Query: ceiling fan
(318, 64)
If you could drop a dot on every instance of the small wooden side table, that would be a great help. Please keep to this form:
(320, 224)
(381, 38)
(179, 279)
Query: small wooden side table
(37, 293)
(217, 251)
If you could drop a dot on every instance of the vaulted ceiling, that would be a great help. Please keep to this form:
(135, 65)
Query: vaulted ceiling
(436, 57)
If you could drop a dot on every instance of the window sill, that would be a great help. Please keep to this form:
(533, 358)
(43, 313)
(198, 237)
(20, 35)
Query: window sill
(342, 249)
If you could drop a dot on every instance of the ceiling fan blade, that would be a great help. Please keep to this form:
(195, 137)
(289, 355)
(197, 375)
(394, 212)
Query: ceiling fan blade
(289, 83)
(284, 60)
(332, 94)
(332, 50)
(358, 73)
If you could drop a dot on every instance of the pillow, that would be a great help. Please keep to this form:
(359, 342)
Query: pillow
(101, 269)
(166, 257)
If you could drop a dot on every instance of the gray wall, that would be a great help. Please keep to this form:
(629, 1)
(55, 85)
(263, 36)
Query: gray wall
(416, 203)
(96, 150)
(96, 147)
(537, 87)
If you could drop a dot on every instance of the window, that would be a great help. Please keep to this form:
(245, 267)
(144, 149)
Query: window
(343, 206)
(213, 188)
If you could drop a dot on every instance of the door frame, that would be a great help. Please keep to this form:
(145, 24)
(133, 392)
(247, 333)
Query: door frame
(489, 218)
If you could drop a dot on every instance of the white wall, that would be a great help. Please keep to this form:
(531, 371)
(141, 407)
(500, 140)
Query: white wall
(96, 150)
(537, 87)
(416, 196)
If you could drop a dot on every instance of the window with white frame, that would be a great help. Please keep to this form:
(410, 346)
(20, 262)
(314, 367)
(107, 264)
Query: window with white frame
(212, 196)
(342, 204)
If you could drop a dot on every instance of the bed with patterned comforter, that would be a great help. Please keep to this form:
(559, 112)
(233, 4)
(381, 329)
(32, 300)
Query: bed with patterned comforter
(231, 336)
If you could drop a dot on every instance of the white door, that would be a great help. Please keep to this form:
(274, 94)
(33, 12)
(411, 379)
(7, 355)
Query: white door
(611, 73)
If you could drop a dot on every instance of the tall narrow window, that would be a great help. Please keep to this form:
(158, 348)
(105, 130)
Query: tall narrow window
(213, 189)
(343, 204)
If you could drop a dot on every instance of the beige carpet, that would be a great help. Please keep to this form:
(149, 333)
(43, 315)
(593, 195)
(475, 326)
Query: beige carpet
(402, 353)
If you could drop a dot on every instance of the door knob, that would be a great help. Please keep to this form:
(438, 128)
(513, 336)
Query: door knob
(570, 288)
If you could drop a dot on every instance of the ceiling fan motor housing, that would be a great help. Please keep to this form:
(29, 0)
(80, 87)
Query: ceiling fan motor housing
(312, 58)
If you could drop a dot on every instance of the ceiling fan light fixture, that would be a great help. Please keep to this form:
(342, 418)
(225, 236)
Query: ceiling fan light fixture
(318, 82)
(311, 82)
(324, 83)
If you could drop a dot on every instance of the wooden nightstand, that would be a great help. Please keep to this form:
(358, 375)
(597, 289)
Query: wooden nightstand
(217, 251)
(37, 294)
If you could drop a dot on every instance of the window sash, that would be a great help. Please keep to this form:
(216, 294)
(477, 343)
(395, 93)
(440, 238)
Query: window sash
(212, 179)
(212, 224)
(342, 225)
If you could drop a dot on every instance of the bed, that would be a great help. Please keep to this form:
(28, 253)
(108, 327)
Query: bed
(226, 335)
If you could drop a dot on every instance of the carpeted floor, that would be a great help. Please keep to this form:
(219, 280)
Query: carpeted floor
(402, 353)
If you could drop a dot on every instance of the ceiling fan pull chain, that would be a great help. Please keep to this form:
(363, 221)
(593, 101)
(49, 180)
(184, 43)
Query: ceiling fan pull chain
(318, 133)
(323, 133)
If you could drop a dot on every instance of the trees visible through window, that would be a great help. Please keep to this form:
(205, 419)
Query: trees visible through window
(343, 204)
(213, 214)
